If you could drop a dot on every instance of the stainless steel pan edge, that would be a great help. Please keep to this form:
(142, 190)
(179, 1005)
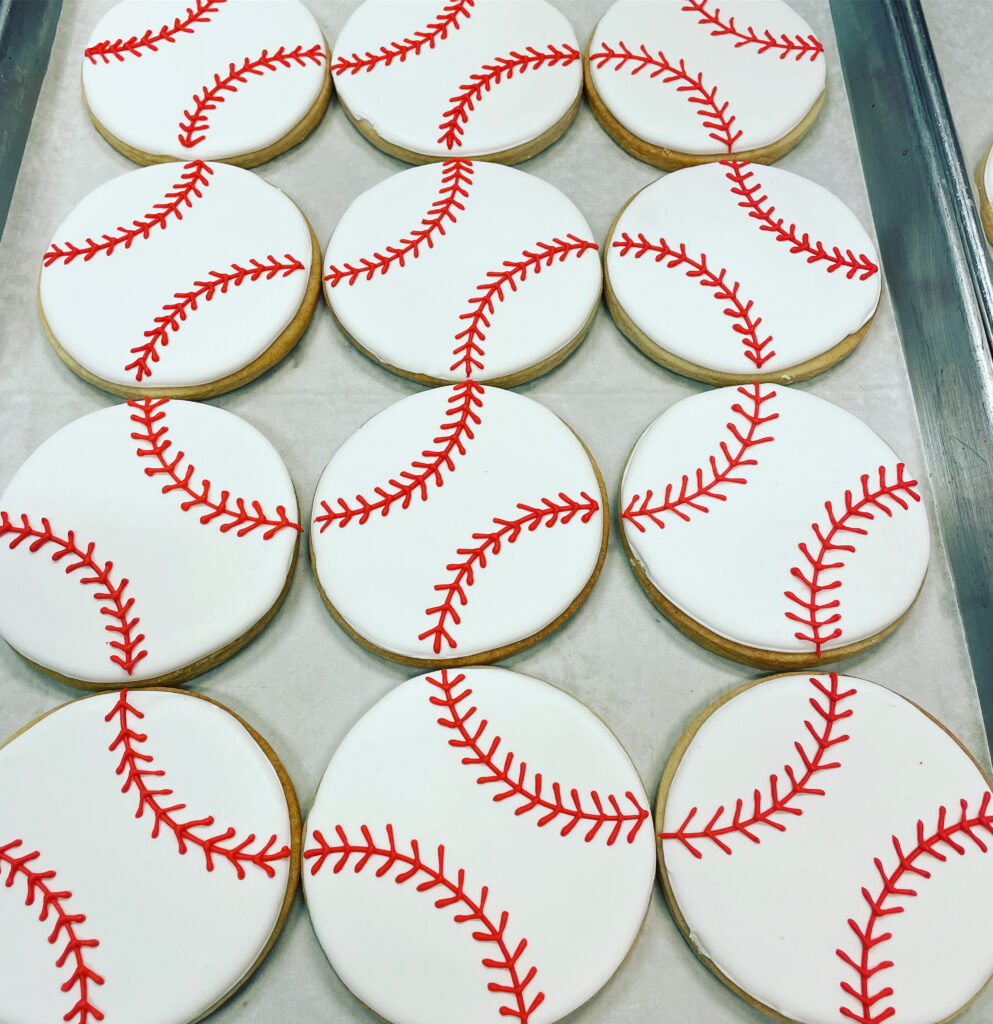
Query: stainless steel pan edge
(938, 270)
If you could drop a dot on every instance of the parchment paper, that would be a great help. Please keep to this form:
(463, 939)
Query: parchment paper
(303, 683)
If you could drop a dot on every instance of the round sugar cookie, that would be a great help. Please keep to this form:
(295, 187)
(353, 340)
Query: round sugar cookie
(458, 526)
(735, 272)
(478, 847)
(825, 847)
(152, 838)
(184, 280)
(429, 79)
(234, 80)
(681, 82)
(464, 269)
(984, 180)
(144, 543)
(773, 527)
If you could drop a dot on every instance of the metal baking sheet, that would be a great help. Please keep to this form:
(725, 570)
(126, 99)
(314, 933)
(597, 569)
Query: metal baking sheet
(303, 683)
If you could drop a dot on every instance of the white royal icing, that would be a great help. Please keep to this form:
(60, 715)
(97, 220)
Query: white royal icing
(463, 269)
(988, 176)
(421, 538)
(209, 79)
(731, 564)
(773, 914)
(176, 274)
(196, 585)
(742, 268)
(158, 919)
(531, 797)
(457, 77)
(677, 73)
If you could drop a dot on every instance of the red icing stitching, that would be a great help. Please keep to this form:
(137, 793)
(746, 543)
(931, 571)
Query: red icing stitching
(900, 492)
(234, 512)
(715, 116)
(194, 129)
(194, 177)
(173, 313)
(435, 31)
(468, 355)
(65, 922)
(486, 928)
(851, 263)
(517, 785)
(548, 513)
(111, 597)
(133, 766)
(953, 837)
(755, 350)
(706, 488)
(778, 803)
(797, 46)
(469, 94)
(456, 177)
(118, 48)
(462, 416)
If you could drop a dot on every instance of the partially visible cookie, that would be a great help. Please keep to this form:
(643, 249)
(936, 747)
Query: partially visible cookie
(153, 839)
(984, 180)
(826, 848)
(681, 82)
(427, 79)
(179, 280)
(773, 527)
(234, 80)
(144, 543)
(736, 272)
(458, 526)
(479, 848)
(464, 269)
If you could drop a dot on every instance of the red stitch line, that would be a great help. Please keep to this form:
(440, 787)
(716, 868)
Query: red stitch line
(462, 417)
(548, 514)
(194, 129)
(193, 178)
(778, 804)
(816, 252)
(459, 719)
(487, 929)
(707, 489)
(112, 597)
(456, 177)
(234, 512)
(436, 30)
(797, 46)
(468, 355)
(119, 48)
(53, 899)
(699, 269)
(715, 116)
(952, 836)
(469, 94)
(855, 509)
(133, 766)
(173, 313)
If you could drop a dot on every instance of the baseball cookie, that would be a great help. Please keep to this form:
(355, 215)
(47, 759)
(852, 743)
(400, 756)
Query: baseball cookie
(148, 858)
(680, 82)
(234, 80)
(458, 526)
(734, 272)
(464, 269)
(144, 543)
(478, 849)
(428, 79)
(184, 280)
(825, 848)
(773, 527)
(984, 179)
